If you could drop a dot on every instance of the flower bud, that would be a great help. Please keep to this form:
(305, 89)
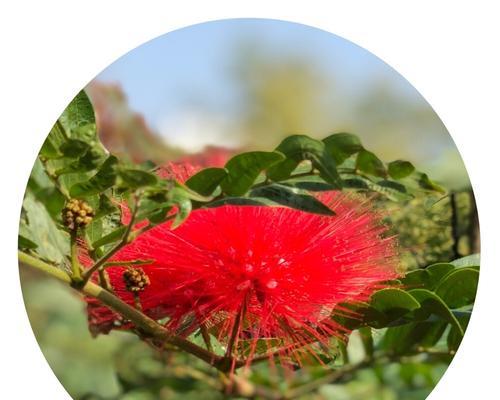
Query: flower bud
(77, 214)
(135, 279)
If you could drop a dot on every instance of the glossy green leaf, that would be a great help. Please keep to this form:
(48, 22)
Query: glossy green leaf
(369, 163)
(393, 303)
(342, 145)
(135, 178)
(425, 183)
(53, 243)
(74, 148)
(285, 196)
(112, 237)
(458, 288)
(207, 180)
(426, 278)
(298, 148)
(87, 162)
(240, 201)
(404, 339)
(400, 169)
(24, 243)
(101, 181)
(431, 303)
(78, 114)
(313, 183)
(244, 169)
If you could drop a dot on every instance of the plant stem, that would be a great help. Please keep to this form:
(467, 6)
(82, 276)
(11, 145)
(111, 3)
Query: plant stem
(140, 320)
(329, 378)
(76, 272)
(125, 239)
(206, 337)
(454, 225)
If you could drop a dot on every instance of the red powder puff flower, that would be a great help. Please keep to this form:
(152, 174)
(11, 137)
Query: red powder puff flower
(252, 273)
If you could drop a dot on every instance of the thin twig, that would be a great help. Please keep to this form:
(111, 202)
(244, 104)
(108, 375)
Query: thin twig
(141, 321)
(125, 240)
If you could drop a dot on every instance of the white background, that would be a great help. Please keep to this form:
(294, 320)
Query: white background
(447, 49)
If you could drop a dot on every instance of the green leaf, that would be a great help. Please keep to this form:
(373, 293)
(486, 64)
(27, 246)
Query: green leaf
(458, 288)
(311, 183)
(431, 303)
(437, 271)
(111, 237)
(299, 148)
(468, 261)
(74, 148)
(135, 178)
(184, 209)
(53, 243)
(427, 278)
(287, 197)
(244, 169)
(87, 162)
(393, 303)
(78, 114)
(240, 201)
(403, 339)
(24, 243)
(185, 191)
(400, 169)
(56, 137)
(342, 145)
(207, 180)
(365, 333)
(101, 181)
(455, 335)
(425, 183)
(369, 163)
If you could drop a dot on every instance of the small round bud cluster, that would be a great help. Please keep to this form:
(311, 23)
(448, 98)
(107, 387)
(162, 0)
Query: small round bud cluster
(77, 214)
(135, 279)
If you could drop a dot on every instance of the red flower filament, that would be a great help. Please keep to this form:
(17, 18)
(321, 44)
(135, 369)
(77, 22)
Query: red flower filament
(251, 273)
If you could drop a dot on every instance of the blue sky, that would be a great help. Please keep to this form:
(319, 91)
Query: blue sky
(181, 82)
(161, 75)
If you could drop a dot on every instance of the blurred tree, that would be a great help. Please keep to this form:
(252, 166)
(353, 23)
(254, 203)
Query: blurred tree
(123, 131)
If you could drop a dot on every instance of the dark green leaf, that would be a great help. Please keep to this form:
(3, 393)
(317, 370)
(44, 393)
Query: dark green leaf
(369, 163)
(299, 148)
(74, 148)
(400, 169)
(425, 183)
(112, 237)
(426, 278)
(458, 288)
(365, 333)
(53, 243)
(101, 181)
(402, 339)
(24, 243)
(431, 303)
(207, 180)
(88, 162)
(393, 303)
(79, 113)
(240, 201)
(342, 145)
(136, 178)
(244, 169)
(311, 183)
(285, 196)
